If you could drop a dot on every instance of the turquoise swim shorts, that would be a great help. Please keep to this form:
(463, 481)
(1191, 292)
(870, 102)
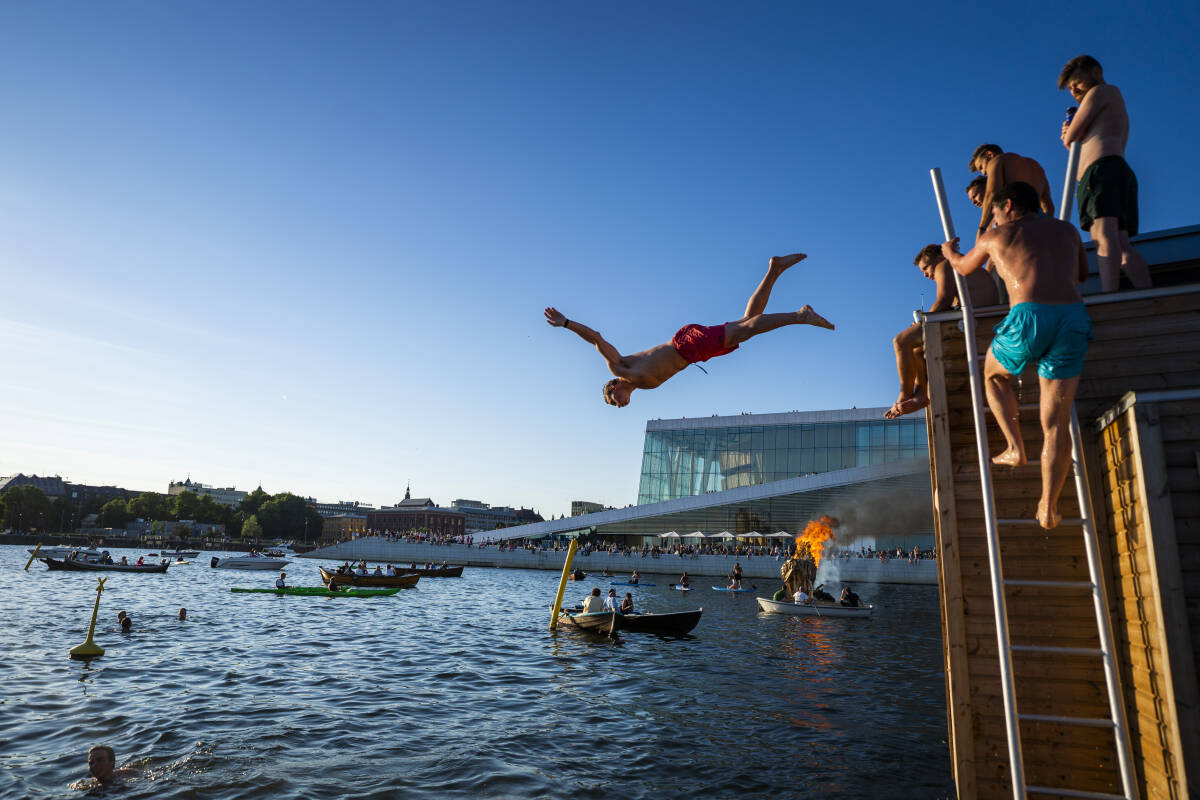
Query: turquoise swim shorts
(1055, 336)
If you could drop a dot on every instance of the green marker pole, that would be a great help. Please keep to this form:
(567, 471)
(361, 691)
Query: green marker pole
(90, 649)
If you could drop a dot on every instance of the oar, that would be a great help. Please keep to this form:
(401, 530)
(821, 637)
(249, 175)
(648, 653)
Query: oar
(32, 556)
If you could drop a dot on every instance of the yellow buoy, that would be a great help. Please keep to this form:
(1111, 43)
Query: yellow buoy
(562, 584)
(32, 556)
(90, 649)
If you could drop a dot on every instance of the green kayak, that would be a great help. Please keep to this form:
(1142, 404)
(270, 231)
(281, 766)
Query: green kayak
(321, 591)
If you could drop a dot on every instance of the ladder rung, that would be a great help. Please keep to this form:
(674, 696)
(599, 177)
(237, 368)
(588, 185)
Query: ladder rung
(1073, 793)
(1065, 651)
(1064, 521)
(1087, 722)
(1052, 584)
(1020, 407)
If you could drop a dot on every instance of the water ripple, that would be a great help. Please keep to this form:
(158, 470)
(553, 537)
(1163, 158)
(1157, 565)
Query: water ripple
(457, 689)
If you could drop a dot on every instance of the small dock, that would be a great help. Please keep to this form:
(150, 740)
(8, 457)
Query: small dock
(1139, 409)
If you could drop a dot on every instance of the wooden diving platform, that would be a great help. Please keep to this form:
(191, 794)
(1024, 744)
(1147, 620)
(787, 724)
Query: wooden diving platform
(1139, 409)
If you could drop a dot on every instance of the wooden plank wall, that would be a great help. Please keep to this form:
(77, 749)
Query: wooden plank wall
(1139, 627)
(1147, 343)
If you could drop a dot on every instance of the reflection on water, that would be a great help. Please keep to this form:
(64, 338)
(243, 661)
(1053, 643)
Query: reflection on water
(458, 689)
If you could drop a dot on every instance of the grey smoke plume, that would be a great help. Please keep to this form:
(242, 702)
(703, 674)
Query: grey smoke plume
(869, 514)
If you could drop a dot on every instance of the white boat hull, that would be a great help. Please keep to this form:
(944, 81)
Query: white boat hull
(813, 609)
(244, 562)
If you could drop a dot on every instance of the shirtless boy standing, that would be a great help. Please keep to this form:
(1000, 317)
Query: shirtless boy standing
(691, 343)
(1042, 262)
(909, 343)
(1107, 189)
(1000, 169)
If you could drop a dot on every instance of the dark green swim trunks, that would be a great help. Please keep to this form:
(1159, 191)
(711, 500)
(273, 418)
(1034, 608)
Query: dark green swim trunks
(1109, 189)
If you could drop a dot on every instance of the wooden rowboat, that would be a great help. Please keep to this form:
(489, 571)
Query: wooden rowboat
(813, 609)
(386, 581)
(607, 622)
(73, 565)
(673, 624)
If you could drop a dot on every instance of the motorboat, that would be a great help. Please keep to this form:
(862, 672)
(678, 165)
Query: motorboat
(813, 609)
(248, 561)
(60, 552)
(181, 553)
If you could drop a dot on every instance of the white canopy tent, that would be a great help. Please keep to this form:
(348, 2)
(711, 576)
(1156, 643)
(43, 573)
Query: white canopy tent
(722, 535)
(669, 535)
(694, 535)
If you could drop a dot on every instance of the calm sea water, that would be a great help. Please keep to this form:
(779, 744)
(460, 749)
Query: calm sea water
(457, 689)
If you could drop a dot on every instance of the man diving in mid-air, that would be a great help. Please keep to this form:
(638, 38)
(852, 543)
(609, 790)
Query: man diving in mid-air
(691, 343)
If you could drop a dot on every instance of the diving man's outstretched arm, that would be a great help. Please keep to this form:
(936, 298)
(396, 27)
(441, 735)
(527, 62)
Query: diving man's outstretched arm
(615, 361)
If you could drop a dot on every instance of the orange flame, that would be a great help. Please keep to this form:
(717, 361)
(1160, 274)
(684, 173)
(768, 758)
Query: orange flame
(816, 534)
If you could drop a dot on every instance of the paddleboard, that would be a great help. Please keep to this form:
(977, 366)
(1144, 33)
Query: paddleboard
(723, 589)
(627, 583)
(677, 587)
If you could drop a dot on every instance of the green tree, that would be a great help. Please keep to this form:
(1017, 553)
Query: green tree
(25, 508)
(314, 523)
(252, 502)
(151, 506)
(209, 511)
(282, 517)
(186, 505)
(114, 514)
(62, 512)
(251, 529)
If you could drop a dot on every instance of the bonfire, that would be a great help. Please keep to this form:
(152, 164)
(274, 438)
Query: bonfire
(799, 571)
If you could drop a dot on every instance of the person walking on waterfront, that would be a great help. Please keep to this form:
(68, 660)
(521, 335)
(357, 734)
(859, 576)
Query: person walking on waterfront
(101, 762)
(692, 343)
(1107, 191)
(1042, 262)
(909, 343)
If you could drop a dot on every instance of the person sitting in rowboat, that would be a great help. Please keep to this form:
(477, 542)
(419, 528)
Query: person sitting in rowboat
(344, 569)
(611, 603)
(849, 598)
(634, 577)
(593, 603)
(362, 569)
(124, 561)
(378, 570)
(281, 582)
(139, 563)
(391, 571)
(627, 604)
(801, 597)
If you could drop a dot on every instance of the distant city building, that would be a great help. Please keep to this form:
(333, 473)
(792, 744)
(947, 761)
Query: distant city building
(170, 528)
(52, 487)
(342, 526)
(418, 514)
(339, 508)
(227, 497)
(482, 517)
(581, 507)
(525, 516)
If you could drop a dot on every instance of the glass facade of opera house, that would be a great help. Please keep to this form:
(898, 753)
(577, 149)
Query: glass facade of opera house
(689, 457)
(771, 473)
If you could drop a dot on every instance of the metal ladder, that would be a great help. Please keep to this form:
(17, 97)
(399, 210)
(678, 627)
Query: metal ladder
(1116, 722)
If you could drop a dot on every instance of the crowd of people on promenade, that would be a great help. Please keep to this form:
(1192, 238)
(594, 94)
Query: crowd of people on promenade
(605, 547)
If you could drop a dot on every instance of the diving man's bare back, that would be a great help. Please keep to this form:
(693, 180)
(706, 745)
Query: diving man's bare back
(650, 368)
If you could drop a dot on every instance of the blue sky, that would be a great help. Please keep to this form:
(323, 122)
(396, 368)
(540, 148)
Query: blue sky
(307, 244)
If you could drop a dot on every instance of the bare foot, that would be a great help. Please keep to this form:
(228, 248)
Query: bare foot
(1010, 458)
(778, 264)
(1046, 517)
(910, 404)
(810, 317)
(894, 411)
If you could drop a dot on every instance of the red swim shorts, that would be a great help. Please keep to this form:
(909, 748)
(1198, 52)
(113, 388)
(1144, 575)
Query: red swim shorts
(701, 342)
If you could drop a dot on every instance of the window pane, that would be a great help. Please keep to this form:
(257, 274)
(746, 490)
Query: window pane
(822, 438)
(806, 436)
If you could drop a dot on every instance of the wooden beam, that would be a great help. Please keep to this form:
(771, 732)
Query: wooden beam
(958, 677)
(1180, 703)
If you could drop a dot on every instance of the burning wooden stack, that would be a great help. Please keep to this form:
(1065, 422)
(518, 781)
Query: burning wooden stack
(799, 571)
